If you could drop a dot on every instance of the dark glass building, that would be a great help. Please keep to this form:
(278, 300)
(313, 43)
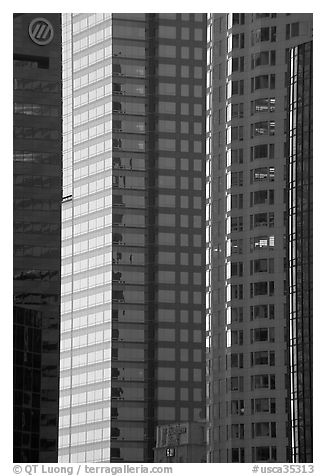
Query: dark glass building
(37, 236)
(300, 250)
(133, 320)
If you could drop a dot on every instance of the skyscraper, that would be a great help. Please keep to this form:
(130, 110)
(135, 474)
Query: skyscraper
(133, 319)
(300, 246)
(248, 383)
(37, 235)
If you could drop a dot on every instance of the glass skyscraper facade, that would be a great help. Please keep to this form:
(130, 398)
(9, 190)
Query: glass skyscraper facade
(37, 171)
(133, 231)
(248, 384)
(300, 250)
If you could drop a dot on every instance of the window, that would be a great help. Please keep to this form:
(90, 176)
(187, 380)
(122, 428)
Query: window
(168, 51)
(238, 455)
(236, 291)
(237, 337)
(262, 128)
(263, 81)
(237, 407)
(263, 58)
(262, 311)
(238, 41)
(262, 288)
(262, 334)
(237, 431)
(261, 243)
(263, 105)
(166, 31)
(262, 357)
(236, 246)
(291, 30)
(262, 151)
(166, 89)
(263, 34)
(263, 429)
(263, 381)
(262, 174)
(263, 453)
(236, 224)
(236, 201)
(262, 197)
(262, 220)
(263, 405)
(236, 361)
(235, 384)
(262, 266)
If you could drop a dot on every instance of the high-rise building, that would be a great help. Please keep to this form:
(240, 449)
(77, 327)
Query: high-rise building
(248, 381)
(37, 236)
(300, 246)
(133, 320)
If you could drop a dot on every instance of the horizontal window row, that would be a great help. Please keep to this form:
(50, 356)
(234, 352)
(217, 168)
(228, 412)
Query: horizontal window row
(89, 21)
(36, 133)
(39, 86)
(37, 204)
(92, 113)
(123, 106)
(33, 109)
(94, 57)
(92, 39)
(38, 181)
(37, 157)
(40, 251)
(36, 227)
(36, 298)
(130, 69)
(169, 70)
(123, 144)
(92, 132)
(128, 89)
(31, 62)
(36, 274)
(92, 95)
(168, 107)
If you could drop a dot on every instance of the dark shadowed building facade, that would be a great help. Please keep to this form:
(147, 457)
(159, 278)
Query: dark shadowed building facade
(37, 236)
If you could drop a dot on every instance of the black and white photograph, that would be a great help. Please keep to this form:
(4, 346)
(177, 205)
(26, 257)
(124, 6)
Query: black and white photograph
(162, 240)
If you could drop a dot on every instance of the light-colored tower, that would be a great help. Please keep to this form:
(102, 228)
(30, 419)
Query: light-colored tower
(247, 365)
(133, 232)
